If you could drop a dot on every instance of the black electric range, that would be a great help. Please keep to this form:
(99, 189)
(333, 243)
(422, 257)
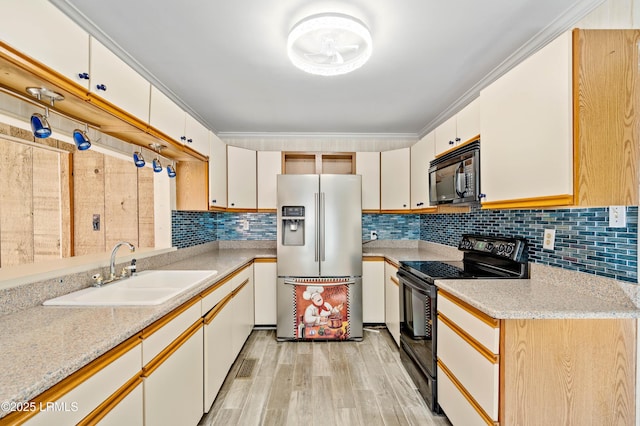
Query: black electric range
(483, 257)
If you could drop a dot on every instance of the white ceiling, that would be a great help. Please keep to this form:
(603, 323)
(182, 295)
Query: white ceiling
(226, 61)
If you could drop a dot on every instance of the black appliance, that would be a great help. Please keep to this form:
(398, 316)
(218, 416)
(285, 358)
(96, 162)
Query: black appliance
(484, 257)
(454, 178)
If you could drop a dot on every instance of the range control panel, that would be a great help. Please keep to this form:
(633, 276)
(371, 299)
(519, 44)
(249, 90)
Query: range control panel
(509, 248)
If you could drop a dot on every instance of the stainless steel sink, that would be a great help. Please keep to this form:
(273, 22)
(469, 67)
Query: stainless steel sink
(145, 288)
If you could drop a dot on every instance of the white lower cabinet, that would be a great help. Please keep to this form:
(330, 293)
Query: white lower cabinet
(81, 401)
(218, 355)
(392, 301)
(373, 309)
(173, 390)
(129, 410)
(242, 307)
(468, 363)
(265, 276)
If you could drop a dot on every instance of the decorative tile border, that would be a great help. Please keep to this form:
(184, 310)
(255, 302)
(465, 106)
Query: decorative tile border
(584, 242)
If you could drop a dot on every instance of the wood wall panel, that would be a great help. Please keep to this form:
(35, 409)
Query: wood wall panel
(16, 204)
(47, 237)
(550, 378)
(189, 175)
(146, 225)
(88, 189)
(120, 201)
(66, 201)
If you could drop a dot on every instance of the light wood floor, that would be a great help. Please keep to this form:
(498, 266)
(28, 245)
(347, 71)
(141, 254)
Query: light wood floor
(320, 383)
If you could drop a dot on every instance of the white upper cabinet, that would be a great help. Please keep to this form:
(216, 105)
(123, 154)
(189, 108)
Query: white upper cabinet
(396, 179)
(196, 135)
(38, 29)
(241, 178)
(458, 129)
(422, 153)
(115, 81)
(217, 172)
(165, 115)
(468, 121)
(526, 149)
(368, 166)
(269, 167)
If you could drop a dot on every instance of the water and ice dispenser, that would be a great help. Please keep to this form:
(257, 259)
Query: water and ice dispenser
(292, 225)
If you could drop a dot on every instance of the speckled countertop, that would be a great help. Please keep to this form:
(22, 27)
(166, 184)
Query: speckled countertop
(43, 345)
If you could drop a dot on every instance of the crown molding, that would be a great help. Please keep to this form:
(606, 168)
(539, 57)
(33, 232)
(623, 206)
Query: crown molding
(562, 23)
(314, 135)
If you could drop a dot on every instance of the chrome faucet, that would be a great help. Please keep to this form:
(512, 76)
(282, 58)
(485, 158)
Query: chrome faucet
(112, 263)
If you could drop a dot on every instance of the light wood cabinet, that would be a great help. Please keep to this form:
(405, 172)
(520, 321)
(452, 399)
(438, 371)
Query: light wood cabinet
(116, 82)
(241, 178)
(526, 125)
(392, 301)
(368, 166)
(373, 290)
(36, 27)
(533, 371)
(606, 87)
(341, 163)
(269, 167)
(395, 179)
(422, 153)
(265, 276)
(458, 129)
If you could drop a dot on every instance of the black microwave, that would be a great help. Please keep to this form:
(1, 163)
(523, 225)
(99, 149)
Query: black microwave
(454, 178)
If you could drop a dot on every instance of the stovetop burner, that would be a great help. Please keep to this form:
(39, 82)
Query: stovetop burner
(484, 257)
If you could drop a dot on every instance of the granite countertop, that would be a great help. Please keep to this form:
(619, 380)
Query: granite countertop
(43, 345)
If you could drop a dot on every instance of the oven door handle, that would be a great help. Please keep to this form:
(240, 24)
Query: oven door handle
(416, 284)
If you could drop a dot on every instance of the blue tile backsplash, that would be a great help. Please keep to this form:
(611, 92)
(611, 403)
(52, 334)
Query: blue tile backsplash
(584, 242)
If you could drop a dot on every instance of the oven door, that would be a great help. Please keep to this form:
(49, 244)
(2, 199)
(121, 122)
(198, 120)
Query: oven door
(418, 334)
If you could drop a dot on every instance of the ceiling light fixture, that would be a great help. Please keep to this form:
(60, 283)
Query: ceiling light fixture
(329, 44)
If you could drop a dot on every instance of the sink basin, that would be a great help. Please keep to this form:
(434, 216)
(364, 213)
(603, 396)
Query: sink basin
(144, 288)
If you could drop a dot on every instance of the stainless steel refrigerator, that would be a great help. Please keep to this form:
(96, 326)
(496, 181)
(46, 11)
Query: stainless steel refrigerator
(319, 236)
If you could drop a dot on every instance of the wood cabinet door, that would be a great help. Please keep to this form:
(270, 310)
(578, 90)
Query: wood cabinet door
(368, 166)
(241, 178)
(422, 154)
(396, 179)
(445, 135)
(269, 167)
(38, 29)
(526, 125)
(115, 81)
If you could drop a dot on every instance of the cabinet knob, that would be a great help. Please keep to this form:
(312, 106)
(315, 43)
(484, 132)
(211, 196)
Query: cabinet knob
(214, 201)
(101, 87)
(189, 140)
(457, 139)
(419, 204)
(482, 195)
(404, 205)
(183, 138)
(451, 142)
(233, 204)
(83, 76)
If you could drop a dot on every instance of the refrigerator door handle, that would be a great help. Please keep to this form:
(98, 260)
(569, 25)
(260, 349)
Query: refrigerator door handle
(316, 241)
(322, 227)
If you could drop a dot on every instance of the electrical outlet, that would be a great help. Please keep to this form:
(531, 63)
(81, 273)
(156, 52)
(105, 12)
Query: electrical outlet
(549, 239)
(373, 235)
(617, 217)
(245, 225)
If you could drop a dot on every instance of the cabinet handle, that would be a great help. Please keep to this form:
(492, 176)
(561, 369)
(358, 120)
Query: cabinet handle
(457, 139)
(482, 195)
(451, 142)
(214, 201)
(101, 87)
(419, 204)
(189, 140)
(183, 138)
(83, 76)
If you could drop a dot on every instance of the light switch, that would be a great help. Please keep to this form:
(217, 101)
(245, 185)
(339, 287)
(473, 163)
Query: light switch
(617, 217)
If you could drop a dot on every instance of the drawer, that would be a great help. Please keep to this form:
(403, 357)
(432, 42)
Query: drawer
(222, 288)
(481, 327)
(476, 369)
(155, 339)
(454, 404)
